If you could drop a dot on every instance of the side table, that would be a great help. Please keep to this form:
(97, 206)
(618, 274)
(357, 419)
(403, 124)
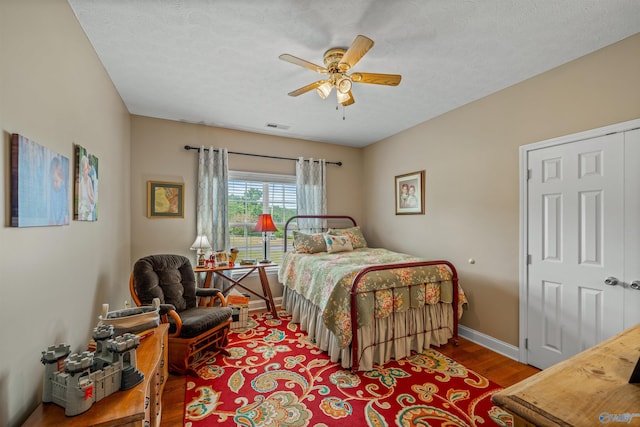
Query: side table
(140, 406)
(225, 272)
(589, 389)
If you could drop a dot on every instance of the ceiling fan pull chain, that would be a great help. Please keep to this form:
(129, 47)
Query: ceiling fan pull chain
(343, 114)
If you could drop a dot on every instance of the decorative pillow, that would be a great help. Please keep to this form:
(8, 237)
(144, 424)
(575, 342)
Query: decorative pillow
(354, 233)
(337, 243)
(308, 243)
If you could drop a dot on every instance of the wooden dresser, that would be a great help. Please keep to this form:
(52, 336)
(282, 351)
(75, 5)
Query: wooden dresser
(589, 389)
(139, 406)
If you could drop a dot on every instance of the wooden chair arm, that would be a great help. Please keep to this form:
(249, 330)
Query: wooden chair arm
(212, 294)
(176, 317)
(223, 300)
(132, 291)
(206, 292)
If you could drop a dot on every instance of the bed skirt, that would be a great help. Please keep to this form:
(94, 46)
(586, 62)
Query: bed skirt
(418, 328)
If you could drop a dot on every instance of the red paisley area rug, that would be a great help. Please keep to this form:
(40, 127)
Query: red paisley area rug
(276, 377)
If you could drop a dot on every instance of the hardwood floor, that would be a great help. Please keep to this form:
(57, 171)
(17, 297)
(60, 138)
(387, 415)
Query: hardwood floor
(496, 367)
(173, 401)
(499, 369)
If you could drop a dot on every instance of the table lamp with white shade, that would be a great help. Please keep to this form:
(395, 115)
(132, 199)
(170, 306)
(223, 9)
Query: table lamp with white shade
(201, 244)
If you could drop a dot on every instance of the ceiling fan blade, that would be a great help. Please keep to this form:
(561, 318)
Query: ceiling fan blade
(301, 62)
(356, 51)
(377, 79)
(349, 101)
(307, 88)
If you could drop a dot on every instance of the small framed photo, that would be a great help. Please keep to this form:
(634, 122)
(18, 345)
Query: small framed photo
(410, 193)
(165, 199)
(222, 259)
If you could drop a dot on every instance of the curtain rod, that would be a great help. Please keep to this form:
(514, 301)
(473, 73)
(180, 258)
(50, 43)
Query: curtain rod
(188, 147)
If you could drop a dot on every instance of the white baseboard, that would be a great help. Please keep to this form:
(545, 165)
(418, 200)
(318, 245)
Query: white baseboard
(489, 342)
(262, 305)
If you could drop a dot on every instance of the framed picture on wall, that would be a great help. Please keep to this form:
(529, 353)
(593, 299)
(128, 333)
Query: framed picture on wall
(39, 185)
(85, 199)
(165, 199)
(410, 193)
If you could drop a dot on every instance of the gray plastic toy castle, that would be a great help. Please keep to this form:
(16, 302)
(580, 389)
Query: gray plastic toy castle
(76, 381)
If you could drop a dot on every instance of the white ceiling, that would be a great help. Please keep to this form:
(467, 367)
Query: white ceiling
(216, 62)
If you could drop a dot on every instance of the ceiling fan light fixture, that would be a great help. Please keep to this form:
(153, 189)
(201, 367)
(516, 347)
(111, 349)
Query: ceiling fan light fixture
(338, 61)
(343, 97)
(343, 85)
(324, 90)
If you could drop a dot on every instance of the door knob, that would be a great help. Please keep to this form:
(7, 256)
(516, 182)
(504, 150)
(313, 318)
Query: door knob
(611, 281)
(635, 285)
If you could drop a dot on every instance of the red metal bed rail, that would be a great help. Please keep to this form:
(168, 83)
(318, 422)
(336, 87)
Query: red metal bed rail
(355, 357)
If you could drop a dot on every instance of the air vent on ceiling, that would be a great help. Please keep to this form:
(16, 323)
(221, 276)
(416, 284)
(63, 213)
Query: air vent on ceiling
(277, 126)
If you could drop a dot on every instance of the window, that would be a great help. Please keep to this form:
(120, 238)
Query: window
(251, 194)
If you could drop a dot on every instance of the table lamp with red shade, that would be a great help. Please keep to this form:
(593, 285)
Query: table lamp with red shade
(265, 225)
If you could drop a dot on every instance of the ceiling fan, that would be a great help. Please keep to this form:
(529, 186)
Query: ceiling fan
(337, 62)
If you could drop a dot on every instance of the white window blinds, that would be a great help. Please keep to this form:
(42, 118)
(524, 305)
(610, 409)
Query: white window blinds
(251, 194)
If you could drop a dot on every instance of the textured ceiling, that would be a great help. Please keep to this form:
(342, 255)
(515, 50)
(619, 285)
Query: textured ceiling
(216, 62)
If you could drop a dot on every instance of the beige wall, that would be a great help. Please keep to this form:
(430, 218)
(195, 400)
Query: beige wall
(471, 160)
(53, 280)
(54, 90)
(158, 153)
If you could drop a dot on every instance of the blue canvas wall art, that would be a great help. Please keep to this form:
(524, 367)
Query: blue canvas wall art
(39, 185)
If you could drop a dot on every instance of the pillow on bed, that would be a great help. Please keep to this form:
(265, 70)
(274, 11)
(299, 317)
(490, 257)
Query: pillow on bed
(337, 243)
(308, 243)
(354, 233)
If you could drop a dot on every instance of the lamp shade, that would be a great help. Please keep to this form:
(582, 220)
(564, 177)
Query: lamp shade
(343, 97)
(344, 84)
(201, 243)
(324, 89)
(265, 224)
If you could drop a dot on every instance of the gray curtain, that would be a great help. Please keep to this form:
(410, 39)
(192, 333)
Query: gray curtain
(311, 192)
(212, 204)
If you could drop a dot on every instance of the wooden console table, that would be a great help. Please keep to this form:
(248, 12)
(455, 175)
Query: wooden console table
(139, 406)
(589, 389)
(224, 273)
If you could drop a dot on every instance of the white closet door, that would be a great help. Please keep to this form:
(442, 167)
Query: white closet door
(632, 228)
(575, 239)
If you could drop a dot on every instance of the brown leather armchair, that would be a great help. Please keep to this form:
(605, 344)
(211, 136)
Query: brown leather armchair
(193, 329)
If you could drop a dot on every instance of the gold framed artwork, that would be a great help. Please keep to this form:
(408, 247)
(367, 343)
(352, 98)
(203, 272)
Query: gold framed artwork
(410, 193)
(165, 199)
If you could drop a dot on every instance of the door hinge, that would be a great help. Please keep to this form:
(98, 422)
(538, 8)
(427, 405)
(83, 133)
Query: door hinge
(528, 259)
(526, 343)
(529, 174)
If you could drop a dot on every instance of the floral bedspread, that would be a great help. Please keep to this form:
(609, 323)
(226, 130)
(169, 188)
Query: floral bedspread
(325, 279)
